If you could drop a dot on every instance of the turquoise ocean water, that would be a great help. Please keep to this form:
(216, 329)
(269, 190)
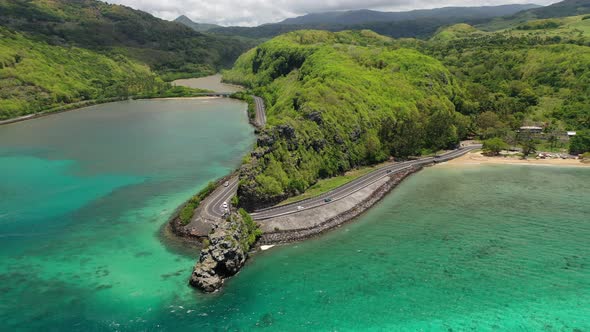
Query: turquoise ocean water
(84, 196)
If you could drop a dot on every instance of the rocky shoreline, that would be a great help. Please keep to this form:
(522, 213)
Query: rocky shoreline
(223, 253)
(222, 256)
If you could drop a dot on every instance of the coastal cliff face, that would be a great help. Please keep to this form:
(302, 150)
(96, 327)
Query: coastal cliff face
(225, 253)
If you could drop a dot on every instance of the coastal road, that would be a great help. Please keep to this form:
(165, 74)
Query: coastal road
(213, 208)
(213, 204)
(260, 111)
(356, 185)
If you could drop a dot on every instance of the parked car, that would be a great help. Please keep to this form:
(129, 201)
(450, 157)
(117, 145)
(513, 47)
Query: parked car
(299, 208)
(388, 171)
(327, 200)
(224, 205)
(226, 184)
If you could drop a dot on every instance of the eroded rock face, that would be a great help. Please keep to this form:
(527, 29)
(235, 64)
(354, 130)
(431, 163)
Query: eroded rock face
(221, 259)
(204, 276)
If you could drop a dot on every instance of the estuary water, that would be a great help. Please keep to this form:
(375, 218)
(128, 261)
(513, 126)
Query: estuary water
(212, 83)
(85, 195)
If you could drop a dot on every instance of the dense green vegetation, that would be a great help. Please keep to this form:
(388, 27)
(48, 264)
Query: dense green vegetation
(186, 214)
(339, 100)
(515, 77)
(35, 76)
(493, 146)
(250, 230)
(170, 49)
(55, 54)
(581, 142)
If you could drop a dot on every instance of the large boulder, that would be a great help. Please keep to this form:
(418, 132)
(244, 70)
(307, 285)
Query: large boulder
(222, 257)
(204, 276)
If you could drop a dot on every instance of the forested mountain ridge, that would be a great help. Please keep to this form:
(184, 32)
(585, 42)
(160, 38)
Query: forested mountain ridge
(417, 24)
(371, 16)
(339, 100)
(169, 48)
(560, 9)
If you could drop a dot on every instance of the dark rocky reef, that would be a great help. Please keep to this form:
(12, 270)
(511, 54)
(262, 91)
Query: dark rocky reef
(223, 255)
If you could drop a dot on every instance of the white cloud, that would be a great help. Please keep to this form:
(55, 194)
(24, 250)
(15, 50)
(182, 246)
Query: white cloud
(256, 12)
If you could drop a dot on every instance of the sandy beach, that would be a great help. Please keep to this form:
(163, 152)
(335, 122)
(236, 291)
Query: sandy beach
(477, 158)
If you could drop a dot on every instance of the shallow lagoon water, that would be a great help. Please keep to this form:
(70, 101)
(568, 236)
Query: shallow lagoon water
(84, 196)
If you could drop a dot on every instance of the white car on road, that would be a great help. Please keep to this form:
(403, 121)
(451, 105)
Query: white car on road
(224, 205)
(299, 208)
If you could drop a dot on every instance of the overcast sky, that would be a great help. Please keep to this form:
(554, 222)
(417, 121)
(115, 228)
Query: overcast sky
(256, 12)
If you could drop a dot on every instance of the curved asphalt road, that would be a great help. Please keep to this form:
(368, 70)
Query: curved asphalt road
(355, 185)
(213, 208)
(213, 204)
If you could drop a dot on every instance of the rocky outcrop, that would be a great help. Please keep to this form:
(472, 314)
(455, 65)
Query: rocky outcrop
(224, 254)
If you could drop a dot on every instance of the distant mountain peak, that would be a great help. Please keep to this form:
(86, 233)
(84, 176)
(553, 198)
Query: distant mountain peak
(200, 27)
(182, 18)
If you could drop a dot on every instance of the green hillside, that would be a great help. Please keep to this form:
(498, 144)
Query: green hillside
(55, 54)
(35, 76)
(339, 100)
(538, 71)
(171, 49)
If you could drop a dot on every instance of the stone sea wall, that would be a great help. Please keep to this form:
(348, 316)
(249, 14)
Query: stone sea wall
(286, 236)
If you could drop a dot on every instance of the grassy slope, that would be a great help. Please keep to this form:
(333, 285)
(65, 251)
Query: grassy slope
(325, 185)
(329, 97)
